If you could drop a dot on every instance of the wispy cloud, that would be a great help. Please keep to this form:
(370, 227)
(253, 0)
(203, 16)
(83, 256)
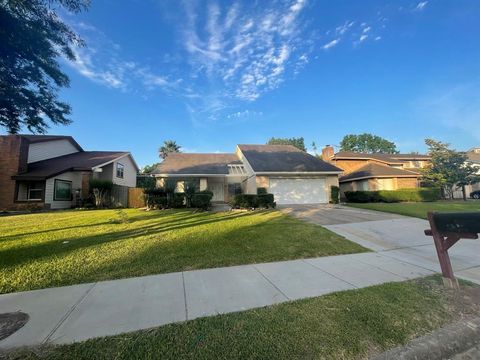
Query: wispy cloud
(421, 5)
(331, 44)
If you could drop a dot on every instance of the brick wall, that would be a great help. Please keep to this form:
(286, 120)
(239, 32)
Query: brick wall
(13, 160)
(407, 183)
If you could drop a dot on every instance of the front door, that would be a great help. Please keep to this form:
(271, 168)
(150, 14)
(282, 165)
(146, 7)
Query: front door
(217, 189)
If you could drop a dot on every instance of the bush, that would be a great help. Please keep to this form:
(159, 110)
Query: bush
(251, 201)
(100, 190)
(261, 191)
(265, 201)
(202, 200)
(145, 181)
(390, 196)
(335, 194)
(177, 200)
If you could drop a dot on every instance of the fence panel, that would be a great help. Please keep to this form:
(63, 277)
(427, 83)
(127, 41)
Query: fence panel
(119, 196)
(135, 198)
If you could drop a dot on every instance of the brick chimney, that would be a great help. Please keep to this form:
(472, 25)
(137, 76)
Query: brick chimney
(13, 160)
(327, 153)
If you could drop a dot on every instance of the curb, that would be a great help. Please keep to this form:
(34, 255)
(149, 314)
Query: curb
(441, 344)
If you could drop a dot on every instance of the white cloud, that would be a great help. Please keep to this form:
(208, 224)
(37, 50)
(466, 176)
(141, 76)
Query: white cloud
(331, 44)
(363, 37)
(421, 5)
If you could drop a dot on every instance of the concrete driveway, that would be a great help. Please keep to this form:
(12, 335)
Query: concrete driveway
(396, 236)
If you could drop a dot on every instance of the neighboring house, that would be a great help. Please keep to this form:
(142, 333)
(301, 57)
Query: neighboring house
(363, 171)
(292, 175)
(474, 158)
(53, 172)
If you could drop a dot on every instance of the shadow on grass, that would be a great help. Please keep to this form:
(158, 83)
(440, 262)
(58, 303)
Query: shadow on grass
(58, 247)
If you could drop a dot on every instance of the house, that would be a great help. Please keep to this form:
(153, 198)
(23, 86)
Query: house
(378, 171)
(474, 158)
(53, 172)
(292, 175)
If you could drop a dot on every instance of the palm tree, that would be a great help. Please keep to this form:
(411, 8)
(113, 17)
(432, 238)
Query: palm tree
(169, 146)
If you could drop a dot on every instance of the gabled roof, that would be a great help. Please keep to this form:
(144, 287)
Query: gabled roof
(474, 156)
(79, 161)
(373, 170)
(32, 139)
(283, 158)
(386, 158)
(196, 164)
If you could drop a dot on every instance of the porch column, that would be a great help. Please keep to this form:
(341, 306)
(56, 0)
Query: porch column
(203, 184)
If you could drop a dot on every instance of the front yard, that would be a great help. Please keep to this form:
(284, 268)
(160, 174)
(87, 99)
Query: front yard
(347, 325)
(420, 209)
(69, 247)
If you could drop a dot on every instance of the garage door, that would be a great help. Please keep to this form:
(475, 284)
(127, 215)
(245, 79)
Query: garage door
(299, 191)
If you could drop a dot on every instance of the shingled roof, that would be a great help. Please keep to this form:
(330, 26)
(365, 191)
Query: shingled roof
(79, 161)
(373, 170)
(387, 158)
(196, 164)
(283, 158)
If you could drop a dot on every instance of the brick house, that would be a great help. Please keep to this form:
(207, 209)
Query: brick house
(53, 172)
(379, 171)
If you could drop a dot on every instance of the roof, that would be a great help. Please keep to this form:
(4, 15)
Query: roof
(196, 164)
(42, 138)
(387, 158)
(372, 170)
(283, 158)
(79, 161)
(474, 156)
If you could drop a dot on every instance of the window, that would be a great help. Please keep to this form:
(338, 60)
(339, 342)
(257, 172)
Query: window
(30, 191)
(62, 190)
(35, 191)
(120, 170)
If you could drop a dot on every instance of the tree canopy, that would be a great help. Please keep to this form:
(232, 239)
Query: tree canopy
(147, 169)
(168, 147)
(299, 142)
(448, 169)
(367, 143)
(32, 38)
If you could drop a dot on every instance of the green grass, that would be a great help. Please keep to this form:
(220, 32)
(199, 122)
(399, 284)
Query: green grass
(345, 325)
(69, 247)
(420, 209)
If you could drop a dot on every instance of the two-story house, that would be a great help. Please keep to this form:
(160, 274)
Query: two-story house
(378, 171)
(53, 172)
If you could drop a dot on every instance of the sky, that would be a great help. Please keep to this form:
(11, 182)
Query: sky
(213, 74)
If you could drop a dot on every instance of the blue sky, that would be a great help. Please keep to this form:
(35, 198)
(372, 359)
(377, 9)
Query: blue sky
(211, 74)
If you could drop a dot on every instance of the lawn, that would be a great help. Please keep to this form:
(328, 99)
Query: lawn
(345, 325)
(420, 209)
(69, 247)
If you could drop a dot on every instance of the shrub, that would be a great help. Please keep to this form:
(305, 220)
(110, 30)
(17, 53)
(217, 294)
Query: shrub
(265, 201)
(390, 196)
(145, 181)
(100, 190)
(251, 201)
(177, 200)
(261, 191)
(202, 200)
(335, 194)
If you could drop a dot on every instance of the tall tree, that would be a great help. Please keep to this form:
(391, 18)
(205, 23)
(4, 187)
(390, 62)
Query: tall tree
(448, 169)
(32, 38)
(367, 143)
(168, 147)
(147, 169)
(299, 142)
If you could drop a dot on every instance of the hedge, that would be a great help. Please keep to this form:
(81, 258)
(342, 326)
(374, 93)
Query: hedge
(202, 200)
(335, 194)
(391, 196)
(251, 201)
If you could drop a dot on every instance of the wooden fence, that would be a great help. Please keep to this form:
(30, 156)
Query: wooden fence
(123, 196)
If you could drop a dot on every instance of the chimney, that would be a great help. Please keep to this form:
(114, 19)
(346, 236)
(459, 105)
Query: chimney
(327, 153)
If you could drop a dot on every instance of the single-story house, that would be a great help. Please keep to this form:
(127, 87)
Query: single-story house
(292, 175)
(362, 171)
(53, 172)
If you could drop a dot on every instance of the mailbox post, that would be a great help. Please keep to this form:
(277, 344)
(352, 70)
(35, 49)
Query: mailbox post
(446, 229)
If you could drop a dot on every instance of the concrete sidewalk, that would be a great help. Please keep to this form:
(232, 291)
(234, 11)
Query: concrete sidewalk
(75, 313)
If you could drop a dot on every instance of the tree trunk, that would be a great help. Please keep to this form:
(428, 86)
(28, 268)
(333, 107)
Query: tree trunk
(464, 193)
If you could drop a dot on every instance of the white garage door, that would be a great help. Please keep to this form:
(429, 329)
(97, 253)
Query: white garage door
(299, 191)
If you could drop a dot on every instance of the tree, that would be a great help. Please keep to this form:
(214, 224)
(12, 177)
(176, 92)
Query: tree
(299, 143)
(147, 169)
(367, 143)
(32, 38)
(168, 147)
(448, 169)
